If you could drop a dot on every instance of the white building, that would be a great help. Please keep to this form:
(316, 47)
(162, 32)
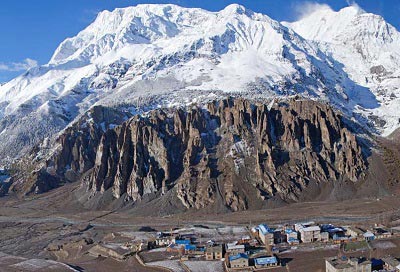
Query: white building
(310, 234)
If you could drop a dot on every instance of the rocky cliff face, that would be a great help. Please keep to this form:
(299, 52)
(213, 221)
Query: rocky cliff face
(230, 152)
(79, 143)
(72, 154)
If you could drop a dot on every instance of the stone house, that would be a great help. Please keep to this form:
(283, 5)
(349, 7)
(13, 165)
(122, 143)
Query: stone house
(214, 252)
(265, 262)
(234, 248)
(239, 260)
(310, 234)
(343, 264)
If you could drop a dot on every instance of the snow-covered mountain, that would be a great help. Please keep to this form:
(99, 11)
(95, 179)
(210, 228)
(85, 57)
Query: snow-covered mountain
(368, 48)
(147, 56)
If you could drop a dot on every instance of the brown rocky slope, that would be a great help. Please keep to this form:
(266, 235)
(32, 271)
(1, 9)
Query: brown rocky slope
(231, 154)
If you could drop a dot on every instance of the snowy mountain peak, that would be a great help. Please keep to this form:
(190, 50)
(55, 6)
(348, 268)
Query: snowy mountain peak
(346, 25)
(368, 49)
(353, 9)
(140, 24)
(236, 8)
(323, 23)
(325, 10)
(147, 24)
(173, 55)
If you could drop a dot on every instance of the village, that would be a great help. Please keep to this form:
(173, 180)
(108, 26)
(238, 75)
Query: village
(258, 247)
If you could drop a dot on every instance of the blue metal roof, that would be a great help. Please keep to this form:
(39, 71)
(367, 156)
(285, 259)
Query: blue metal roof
(334, 230)
(264, 229)
(265, 260)
(327, 227)
(190, 247)
(182, 242)
(238, 256)
(368, 234)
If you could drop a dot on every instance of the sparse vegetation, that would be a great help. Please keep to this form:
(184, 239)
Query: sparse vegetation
(353, 246)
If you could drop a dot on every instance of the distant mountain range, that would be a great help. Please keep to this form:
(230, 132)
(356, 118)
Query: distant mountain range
(149, 56)
(139, 59)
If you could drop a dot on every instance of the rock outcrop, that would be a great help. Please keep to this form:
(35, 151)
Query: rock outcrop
(230, 152)
(72, 154)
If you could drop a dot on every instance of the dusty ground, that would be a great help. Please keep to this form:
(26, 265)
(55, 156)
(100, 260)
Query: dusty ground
(313, 260)
(28, 227)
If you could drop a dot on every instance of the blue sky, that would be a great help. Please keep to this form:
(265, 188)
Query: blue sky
(31, 30)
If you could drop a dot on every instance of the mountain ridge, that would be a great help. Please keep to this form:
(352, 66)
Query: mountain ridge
(231, 154)
(150, 56)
